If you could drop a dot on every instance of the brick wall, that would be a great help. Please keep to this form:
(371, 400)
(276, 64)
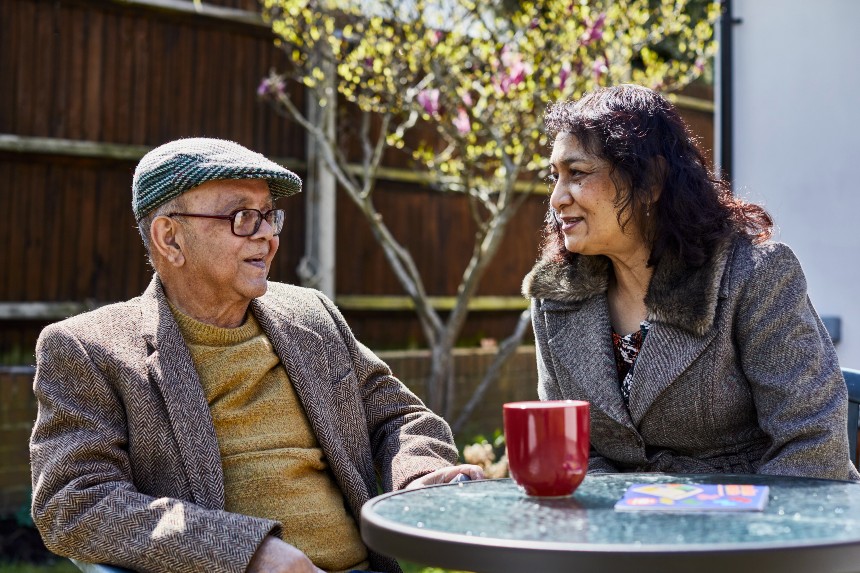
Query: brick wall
(518, 382)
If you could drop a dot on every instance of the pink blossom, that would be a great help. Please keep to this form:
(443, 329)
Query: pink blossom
(514, 70)
(271, 86)
(467, 98)
(563, 75)
(594, 31)
(462, 122)
(429, 100)
(598, 68)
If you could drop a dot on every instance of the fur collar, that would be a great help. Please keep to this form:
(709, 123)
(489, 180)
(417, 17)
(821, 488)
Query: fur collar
(677, 295)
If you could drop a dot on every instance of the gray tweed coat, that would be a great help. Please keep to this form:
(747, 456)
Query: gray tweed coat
(736, 375)
(126, 466)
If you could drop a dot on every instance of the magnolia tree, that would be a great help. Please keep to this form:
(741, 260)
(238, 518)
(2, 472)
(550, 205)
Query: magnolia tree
(475, 77)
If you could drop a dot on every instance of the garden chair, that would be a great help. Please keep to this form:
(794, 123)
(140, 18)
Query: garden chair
(852, 381)
(97, 568)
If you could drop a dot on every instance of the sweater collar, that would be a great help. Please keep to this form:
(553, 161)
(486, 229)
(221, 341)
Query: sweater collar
(678, 295)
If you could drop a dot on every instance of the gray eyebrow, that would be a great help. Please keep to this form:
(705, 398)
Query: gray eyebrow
(239, 204)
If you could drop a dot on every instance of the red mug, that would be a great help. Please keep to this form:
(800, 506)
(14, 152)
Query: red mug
(547, 445)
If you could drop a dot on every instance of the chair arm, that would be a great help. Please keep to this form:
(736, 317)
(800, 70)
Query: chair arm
(98, 567)
(852, 382)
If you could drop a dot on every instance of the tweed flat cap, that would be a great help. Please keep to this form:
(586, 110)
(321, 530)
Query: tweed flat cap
(171, 169)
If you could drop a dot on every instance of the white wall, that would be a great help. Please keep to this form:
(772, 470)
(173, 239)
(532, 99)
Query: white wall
(797, 141)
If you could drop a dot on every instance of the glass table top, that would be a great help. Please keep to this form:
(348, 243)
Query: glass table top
(799, 512)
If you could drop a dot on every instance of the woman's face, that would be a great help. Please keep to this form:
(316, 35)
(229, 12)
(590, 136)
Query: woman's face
(583, 198)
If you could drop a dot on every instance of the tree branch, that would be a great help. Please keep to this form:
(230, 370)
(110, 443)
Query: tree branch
(506, 350)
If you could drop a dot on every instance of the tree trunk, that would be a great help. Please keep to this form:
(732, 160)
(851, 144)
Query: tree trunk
(441, 376)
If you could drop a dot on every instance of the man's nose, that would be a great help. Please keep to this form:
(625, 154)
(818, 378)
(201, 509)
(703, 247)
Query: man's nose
(266, 230)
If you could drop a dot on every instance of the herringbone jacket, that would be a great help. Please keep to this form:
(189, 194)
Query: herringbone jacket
(737, 374)
(125, 461)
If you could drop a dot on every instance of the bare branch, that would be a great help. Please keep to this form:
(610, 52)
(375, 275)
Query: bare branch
(506, 350)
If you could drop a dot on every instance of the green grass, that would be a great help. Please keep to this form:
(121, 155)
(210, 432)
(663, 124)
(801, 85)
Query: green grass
(60, 566)
(413, 568)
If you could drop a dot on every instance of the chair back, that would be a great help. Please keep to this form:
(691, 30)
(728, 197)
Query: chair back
(852, 381)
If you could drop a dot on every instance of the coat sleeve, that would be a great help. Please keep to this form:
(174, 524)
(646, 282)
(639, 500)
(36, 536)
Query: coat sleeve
(408, 440)
(549, 387)
(793, 372)
(85, 504)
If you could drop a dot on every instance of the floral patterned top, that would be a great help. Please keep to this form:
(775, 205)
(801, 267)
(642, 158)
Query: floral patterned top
(626, 350)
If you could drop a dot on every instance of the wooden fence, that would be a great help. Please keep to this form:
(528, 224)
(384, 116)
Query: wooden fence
(88, 86)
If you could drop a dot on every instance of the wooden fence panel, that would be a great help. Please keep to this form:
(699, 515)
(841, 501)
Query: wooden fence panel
(96, 72)
(109, 73)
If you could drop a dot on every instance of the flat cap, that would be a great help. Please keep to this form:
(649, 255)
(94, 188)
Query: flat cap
(171, 169)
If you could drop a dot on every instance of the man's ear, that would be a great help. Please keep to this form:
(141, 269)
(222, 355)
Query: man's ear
(166, 240)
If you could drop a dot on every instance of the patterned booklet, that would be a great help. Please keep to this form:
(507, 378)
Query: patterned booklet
(693, 497)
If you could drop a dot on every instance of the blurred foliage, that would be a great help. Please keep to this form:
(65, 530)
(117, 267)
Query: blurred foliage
(59, 566)
(414, 568)
(460, 85)
(490, 454)
(23, 517)
(481, 73)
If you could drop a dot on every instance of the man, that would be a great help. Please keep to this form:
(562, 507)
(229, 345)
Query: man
(220, 422)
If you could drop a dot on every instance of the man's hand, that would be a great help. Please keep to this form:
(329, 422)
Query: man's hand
(447, 474)
(275, 556)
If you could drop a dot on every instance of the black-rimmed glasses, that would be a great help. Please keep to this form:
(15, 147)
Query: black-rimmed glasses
(245, 222)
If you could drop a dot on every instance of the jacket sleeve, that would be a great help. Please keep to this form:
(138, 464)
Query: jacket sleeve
(408, 440)
(793, 372)
(85, 504)
(548, 385)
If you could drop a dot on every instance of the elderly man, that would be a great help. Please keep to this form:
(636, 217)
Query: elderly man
(220, 422)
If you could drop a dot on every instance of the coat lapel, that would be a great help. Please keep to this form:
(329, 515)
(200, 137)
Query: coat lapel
(681, 304)
(305, 355)
(666, 352)
(581, 343)
(171, 369)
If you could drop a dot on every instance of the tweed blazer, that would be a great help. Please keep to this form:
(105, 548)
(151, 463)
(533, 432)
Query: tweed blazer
(736, 375)
(125, 460)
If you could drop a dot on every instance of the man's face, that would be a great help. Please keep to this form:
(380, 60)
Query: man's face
(224, 269)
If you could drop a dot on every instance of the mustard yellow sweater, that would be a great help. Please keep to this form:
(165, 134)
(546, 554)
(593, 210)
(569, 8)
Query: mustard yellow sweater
(273, 465)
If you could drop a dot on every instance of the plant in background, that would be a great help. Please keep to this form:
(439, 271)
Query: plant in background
(461, 85)
(484, 453)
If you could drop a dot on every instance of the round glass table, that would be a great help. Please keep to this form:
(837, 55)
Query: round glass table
(808, 525)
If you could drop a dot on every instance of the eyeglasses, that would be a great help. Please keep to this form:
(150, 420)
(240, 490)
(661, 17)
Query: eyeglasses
(245, 222)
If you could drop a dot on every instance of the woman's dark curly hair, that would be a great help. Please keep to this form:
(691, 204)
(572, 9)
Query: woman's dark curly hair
(647, 144)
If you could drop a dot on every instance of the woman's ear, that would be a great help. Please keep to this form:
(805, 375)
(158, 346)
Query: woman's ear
(660, 171)
(166, 240)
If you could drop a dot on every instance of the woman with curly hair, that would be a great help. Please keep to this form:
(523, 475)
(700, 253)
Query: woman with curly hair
(660, 299)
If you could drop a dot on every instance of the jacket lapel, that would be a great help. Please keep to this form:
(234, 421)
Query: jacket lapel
(305, 355)
(171, 369)
(667, 351)
(581, 343)
(681, 304)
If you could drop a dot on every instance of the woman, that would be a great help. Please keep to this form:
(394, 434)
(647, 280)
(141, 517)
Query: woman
(659, 299)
